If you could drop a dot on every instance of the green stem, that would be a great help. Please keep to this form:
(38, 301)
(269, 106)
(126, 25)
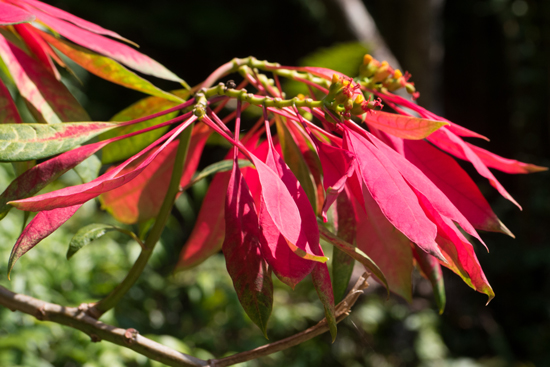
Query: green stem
(241, 94)
(234, 65)
(154, 235)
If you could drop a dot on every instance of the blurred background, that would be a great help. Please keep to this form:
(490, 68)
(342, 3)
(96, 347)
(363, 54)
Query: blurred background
(484, 64)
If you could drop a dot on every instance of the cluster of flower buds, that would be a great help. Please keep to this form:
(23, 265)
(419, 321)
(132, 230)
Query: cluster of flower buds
(346, 98)
(378, 74)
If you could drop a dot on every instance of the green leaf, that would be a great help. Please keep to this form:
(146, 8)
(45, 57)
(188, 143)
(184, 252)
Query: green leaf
(296, 162)
(23, 142)
(221, 166)
(107, 68)
(354, 252)
(125, 148)
(431, 269)
(342, 263)
(89, 169)
(321, 281)
(92, 232)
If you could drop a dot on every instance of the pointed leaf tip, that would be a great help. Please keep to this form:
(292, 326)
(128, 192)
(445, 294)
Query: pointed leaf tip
(40, 227)
(321, 280)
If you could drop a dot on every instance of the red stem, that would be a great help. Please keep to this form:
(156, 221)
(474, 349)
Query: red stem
(173, 109)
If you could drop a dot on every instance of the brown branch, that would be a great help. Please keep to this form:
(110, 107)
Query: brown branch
(97, 330)
(342, 311)
(77, 318)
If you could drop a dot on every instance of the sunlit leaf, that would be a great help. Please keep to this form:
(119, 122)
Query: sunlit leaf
(82, 23)
(141, 199)
(405, 127)
(22, 142)
(112, 179)
(148, 106)
(392, 194)
(296, 162)
(291, 246)
(421, 183)
(453, 181)
(40, 227)
(504, 164)
(107, 68)
(451, 143)
(106, 46)
(38, 46)
(10, 14)
(48, 96)
(459, 254)
(386, 246)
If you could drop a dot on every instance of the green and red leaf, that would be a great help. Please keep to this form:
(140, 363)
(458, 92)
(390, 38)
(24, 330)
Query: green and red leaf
(107, 68)
(459, 254)
(48, 96)
(323, 286)
(405, 127)
(342, 263)
(106, 46)
(40, 227)
(140, 199)
(146, 107)
(22, 142)
(431, 269)
(112, 179)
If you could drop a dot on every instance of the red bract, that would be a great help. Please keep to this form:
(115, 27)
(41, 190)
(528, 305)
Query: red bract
(10, 14)
(398, 194)
(288, 223)
(242, 246)
(383, 181)
(140, 199)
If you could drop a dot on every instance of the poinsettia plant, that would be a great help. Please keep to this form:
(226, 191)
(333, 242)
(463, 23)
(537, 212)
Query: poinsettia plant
(351, 163)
